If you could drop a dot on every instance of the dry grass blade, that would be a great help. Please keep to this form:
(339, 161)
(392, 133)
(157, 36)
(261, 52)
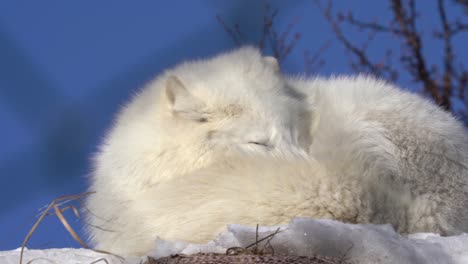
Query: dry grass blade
(73, 208)
(98, 260)
(267, 243)
(69, 228)
(269, 237)
(240, 250)
(59, 213)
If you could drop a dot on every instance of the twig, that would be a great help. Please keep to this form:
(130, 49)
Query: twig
(59, 213)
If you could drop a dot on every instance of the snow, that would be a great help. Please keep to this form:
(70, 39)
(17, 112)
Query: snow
(358, 243)
(302, 236)
(53, 256)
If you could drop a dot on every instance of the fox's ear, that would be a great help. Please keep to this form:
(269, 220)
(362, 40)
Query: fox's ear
(180, 100)
(176, 92)
(272, 62)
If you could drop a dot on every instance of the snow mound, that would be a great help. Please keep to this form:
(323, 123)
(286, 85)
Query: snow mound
(59, 255)
(357, 243)
(360, 244)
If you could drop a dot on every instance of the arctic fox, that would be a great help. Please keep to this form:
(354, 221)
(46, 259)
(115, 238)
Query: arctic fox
(198, 114)
(232, 140)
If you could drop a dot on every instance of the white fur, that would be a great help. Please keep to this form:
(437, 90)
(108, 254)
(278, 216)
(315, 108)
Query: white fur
(198, 114)
(412, 154)
(225, 140)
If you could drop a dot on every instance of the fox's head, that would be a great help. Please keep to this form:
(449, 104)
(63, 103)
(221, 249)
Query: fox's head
(234, 103)
(205, 111)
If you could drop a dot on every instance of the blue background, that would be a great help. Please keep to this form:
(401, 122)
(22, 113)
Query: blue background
(66, 67)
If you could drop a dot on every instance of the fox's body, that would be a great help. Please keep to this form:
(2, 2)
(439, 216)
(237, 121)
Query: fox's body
(230, 140)
(411, 156)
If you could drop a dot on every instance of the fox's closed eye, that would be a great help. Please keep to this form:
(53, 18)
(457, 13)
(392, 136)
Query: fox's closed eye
(202, 120)
(259, 143)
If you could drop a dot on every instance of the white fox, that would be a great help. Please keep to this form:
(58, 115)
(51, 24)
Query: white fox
(190, 117)
(231, 140)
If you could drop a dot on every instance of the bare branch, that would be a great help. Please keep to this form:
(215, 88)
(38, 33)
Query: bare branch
(360, 54)
(363, 63)
(415, 63)
(228, 30)
(448, 54)
(281, 44)
(459, 27)
(374, 26)
(463, 3)
(314, 62)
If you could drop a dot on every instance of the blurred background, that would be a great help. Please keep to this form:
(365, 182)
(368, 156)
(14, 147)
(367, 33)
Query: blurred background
(66, 67)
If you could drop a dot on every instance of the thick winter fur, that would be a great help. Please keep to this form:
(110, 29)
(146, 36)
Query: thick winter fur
(231, 140)
(193, 116)
(412, 155)
(254, 190)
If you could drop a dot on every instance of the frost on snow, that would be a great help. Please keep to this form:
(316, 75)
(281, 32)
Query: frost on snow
(307, 237)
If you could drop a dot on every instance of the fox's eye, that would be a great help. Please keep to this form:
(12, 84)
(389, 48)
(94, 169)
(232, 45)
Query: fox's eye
(260, 144)
(202, 120)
